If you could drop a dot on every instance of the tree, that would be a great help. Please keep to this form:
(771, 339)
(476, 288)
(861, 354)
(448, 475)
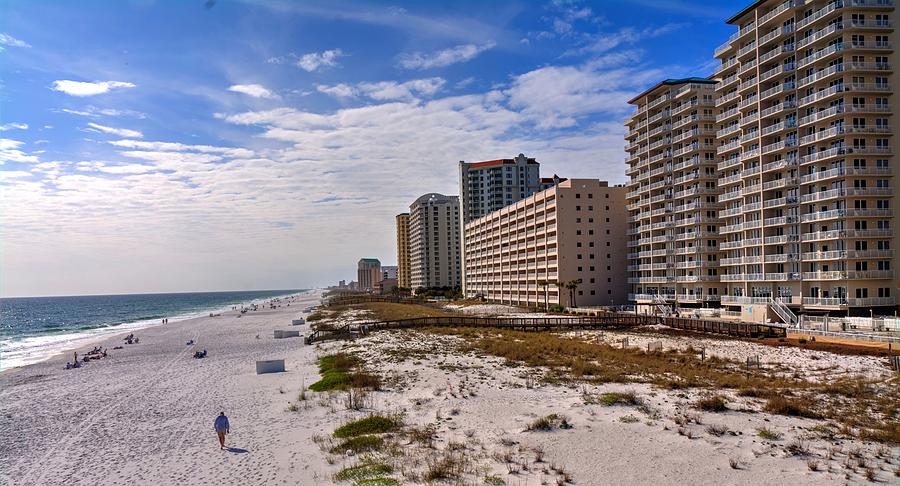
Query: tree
(560, 286)
(572, 285)
(543, 284)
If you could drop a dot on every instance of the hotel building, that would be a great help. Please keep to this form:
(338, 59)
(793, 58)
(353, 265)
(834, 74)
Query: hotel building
(570, 231)
(805, 145)
(491, 185)
(434, 251)
(673, 221)
(368, 273)
(403, 280)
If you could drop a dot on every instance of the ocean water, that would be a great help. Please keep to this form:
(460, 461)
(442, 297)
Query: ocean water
(34, 328)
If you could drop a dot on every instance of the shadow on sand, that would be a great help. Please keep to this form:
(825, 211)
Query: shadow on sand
(236, 450)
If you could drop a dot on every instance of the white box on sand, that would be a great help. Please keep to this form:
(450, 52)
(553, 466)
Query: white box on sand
(298, 322)
(270, 366)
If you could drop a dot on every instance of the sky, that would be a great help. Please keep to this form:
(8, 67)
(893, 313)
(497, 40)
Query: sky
(164, 146)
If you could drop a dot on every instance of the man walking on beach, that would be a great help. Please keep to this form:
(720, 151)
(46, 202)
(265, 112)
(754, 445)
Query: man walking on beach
(222, 428)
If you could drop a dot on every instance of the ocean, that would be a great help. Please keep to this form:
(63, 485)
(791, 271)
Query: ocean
(34, 328)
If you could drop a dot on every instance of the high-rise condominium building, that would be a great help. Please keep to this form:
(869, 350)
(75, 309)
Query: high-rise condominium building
(805, 137)
(491, 185)
(673, 225)
(368, 272)
(572, 231)
(434, 251)
(403, 250)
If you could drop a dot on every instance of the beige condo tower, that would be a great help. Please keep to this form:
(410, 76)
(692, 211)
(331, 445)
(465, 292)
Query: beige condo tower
(673, 224)
(434, 252)
(805, 147)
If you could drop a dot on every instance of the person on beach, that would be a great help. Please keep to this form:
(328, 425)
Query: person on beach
(222, 428)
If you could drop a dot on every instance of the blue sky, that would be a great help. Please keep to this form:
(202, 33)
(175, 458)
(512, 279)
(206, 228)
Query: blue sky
(203, 145)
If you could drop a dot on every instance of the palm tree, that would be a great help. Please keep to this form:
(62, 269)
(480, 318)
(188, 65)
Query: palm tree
(560, 286)
(543, 284)
(572, 285)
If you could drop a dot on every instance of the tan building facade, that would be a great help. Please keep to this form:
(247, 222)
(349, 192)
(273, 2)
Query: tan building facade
(403, 279)
(434, 246)
(568, 232)
(805, 146)
(673, 222)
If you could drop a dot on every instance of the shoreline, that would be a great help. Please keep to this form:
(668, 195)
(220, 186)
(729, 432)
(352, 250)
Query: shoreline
(142, 411)
(77, 338)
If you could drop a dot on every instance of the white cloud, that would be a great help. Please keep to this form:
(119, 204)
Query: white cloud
(604, 42)
(180, 147)
(557, 96)
(10, 41)
(119, 132)
(80, 88)
(446, 57)
(315, 60)
(94, 112)
(10, 152)
(13, 126)
(254, 90)
(339, 90)
(386, 90)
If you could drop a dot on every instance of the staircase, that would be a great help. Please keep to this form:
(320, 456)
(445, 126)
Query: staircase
(661, 305)
(786, 315)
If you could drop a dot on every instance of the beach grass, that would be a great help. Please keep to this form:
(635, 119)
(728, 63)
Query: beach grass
(373, 424)
(871, 410)
(390, 311)
(341, 371)
(362, 472)
(357, 444)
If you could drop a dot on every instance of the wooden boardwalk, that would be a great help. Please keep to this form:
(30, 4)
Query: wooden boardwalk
(609, 320)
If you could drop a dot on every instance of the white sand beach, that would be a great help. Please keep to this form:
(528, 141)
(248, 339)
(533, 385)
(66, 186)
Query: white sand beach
(144, 415)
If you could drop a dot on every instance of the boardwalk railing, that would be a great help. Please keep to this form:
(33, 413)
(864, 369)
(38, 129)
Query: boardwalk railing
(610, 320)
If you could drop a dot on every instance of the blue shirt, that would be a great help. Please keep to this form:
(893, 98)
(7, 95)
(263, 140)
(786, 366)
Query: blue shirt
(222, 423)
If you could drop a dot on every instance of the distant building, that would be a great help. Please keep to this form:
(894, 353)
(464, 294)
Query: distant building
(490, 185)
(342, 284)
(548, 182)
(403, 250)
(368, 272)
(434, 245)
(389, 272)
(386, 286)
(572, 231)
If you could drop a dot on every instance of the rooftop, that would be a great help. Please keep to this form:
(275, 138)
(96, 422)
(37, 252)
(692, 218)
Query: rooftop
(672, 82)
(734, 18)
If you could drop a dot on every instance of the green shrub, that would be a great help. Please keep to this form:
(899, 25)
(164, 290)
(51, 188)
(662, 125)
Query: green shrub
(373, 424)
(621, 398)
(362, 443)
(340, 371)
(382, 481)
(362, 472)
(768, 434)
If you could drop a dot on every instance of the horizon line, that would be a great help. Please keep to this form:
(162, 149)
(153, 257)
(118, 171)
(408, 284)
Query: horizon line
(153, 293)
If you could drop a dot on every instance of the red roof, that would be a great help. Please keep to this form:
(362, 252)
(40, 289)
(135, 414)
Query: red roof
(491, 163)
